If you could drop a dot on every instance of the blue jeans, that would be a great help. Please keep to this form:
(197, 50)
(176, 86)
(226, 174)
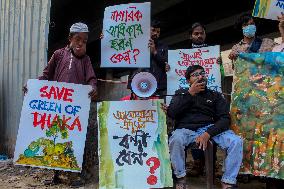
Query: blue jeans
(228, 140)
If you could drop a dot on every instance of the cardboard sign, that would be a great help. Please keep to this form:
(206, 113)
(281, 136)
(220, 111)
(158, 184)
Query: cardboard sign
(133, 145)
(181, 59)
(53, 125)
(126, 30)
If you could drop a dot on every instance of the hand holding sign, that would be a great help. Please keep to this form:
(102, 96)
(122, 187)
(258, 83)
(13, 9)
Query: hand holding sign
(93, 94)
(152, 47)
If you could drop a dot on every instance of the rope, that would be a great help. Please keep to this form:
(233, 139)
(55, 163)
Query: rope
(111, 81)
(125, 82)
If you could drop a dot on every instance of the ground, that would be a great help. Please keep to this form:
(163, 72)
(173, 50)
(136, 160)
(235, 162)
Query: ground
(12, 177)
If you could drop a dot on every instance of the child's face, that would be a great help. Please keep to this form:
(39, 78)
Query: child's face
(78, 43)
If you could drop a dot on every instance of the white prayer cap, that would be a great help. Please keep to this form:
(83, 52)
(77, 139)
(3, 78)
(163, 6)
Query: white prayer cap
(79, 27)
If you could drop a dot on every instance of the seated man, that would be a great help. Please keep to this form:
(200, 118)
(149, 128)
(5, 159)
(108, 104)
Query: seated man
(202, 114)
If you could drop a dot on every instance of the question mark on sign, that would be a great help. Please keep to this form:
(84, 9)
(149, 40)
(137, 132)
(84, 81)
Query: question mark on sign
(152, 179)
(136, 53)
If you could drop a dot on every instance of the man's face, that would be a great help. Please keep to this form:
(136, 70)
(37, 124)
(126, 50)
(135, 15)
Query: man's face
(155, 33)
(78, 43)
(198, 35)
(199, 75)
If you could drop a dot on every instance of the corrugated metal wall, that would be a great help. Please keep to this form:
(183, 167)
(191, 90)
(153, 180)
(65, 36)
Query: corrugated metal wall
(24, 26)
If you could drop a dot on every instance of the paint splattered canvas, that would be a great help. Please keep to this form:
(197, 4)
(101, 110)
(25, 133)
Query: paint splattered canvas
(133, 145)
(257, 112)
(53, 125)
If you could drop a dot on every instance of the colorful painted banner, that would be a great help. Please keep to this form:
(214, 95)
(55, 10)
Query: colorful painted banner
(181, 59)
(257, 112)
(269, 9)
(126, 30)
(53, 125)
(133, 145)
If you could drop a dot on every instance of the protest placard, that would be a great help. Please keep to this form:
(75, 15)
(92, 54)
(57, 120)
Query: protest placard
(53, 125)
(126, 30)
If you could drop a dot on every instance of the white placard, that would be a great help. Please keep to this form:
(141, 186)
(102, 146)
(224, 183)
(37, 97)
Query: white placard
(53, 125)
(126, 30)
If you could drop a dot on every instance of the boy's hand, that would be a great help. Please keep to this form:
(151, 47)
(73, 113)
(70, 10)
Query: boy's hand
(93, 94)
(25, 89)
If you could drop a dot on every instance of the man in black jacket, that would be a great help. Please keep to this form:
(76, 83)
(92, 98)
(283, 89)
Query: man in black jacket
(202, 114)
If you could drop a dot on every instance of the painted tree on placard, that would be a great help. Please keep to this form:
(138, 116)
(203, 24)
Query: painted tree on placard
(57, 128)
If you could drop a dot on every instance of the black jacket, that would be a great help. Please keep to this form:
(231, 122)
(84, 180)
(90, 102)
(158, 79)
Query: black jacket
(158, 65)
(193, 112)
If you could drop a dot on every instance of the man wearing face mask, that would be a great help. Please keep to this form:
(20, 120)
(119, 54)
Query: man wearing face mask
(250, 42)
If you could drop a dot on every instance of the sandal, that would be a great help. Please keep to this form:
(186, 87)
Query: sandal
(232, 187)
(181, 183)
(51, 182)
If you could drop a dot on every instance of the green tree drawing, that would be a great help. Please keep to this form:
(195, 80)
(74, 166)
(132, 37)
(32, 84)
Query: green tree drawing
(57, 128)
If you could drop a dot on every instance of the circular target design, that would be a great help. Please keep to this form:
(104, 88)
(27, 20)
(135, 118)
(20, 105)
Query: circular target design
(144, 84)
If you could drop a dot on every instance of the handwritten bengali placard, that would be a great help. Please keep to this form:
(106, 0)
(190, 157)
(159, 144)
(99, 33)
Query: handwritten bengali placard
(181, 59)
(133, 147)
(269, 9)
(53, 125)
(126, 30)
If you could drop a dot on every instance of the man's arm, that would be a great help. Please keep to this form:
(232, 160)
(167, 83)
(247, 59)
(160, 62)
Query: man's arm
(221, 118)
(49, 70)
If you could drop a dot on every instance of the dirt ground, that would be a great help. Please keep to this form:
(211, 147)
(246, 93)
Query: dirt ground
(21, 177)
(12, 177)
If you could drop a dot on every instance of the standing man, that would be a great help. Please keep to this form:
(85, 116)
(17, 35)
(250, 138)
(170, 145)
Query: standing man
(71, 65)
(202, 114)
(159, 58)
